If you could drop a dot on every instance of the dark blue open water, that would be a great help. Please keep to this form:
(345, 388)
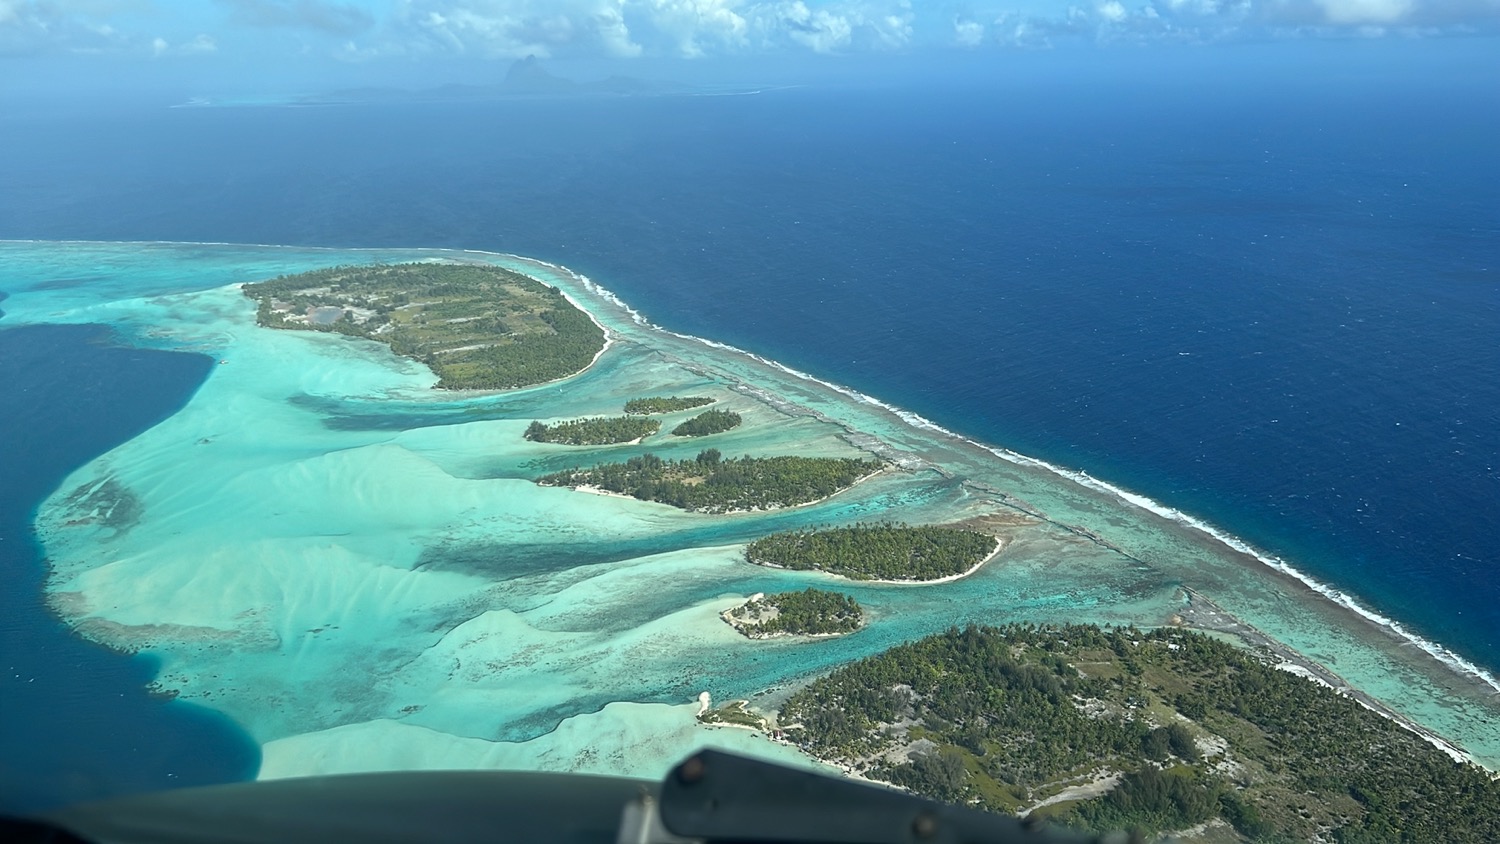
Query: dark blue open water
(1275, 307)
(77, 722)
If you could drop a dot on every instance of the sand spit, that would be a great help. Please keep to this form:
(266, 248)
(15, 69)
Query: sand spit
(999, 546)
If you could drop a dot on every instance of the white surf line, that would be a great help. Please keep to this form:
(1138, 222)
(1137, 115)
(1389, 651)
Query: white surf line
(1454, 661)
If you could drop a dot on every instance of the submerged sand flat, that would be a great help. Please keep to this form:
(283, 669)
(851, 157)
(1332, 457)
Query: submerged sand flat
(358, 570)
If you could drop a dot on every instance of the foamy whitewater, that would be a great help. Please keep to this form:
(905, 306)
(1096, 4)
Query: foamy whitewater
(1435, 649)
(358, 570)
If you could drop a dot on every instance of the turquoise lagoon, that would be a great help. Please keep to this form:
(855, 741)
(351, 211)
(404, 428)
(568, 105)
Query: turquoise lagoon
(358, 571)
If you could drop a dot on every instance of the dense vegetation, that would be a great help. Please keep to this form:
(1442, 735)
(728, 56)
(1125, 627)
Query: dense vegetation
(734, 713)
(875, 551)
(710, 483)
(599, 430)
(1194, 728)
(707, 422)
(669, 404)
(811, 612)
(477, 327)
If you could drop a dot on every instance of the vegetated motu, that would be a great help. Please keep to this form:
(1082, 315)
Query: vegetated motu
(665, 404)
(811, 612)
(1195, 728)
(478, 327)
(598, 430)
(733, 712)
(711, 483)
(707, 422)
(875, 551)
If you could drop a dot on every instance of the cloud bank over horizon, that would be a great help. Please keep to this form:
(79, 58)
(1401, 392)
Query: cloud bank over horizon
(372, 30)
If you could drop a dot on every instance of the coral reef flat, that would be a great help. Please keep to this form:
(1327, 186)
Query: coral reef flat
(361, 572)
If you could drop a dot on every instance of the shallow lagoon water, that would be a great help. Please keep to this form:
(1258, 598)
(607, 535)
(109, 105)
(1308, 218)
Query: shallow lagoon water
(358, 571)
(79, 722)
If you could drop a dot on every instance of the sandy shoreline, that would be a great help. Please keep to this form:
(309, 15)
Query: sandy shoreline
(593, 490)
(999, 546)
(1442, 664)
(609, 340)
(1399, 645)
(1212, 616)
(1201, 614)
(948, 454)
(749, 629)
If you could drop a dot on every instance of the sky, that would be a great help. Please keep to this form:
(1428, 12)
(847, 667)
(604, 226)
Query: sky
(286, 42)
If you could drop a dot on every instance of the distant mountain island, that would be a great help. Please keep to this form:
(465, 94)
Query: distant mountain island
(525, 77)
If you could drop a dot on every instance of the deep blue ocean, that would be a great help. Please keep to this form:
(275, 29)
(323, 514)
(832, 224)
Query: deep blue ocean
(77, 722)
(1275, 306)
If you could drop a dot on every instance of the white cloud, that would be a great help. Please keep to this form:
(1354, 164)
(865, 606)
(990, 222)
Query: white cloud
(502, 29)
(317, 15)
(1199, 7)
(1366, 11)
(196, 46)
(835, 27)
(1024, 34)
(895, 30)
(613, 32)
(694, 25)
(968, 33)
(201, 44)
(353, 53)
(517, 28)
(820, 30)
(1037, 33)
(90, 28)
